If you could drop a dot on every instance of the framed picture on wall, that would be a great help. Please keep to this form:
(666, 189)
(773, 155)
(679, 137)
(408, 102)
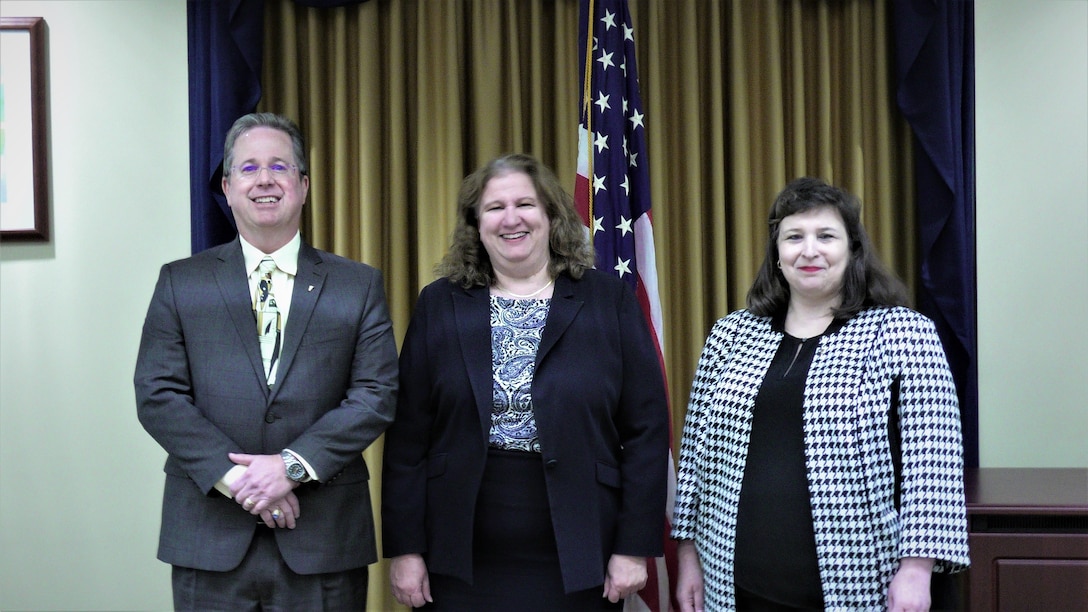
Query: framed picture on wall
(24, 159)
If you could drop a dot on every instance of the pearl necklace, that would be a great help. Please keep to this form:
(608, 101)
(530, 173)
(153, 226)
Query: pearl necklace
(527, 295)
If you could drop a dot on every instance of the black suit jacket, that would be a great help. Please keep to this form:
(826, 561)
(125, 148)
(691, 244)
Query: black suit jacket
(601, 414)
(201, 393)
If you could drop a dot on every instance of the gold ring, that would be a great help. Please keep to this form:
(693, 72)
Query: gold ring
(249, 503)
(276, 514)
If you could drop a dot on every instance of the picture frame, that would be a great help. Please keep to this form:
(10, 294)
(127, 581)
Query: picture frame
(24, 156)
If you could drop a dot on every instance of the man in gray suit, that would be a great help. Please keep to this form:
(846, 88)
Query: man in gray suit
(266, 503)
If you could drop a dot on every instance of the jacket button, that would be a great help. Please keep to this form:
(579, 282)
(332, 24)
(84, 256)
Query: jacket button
(269, 418)
(551, 463)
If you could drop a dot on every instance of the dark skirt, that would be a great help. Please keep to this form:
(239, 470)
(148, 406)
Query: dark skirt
(515, 560)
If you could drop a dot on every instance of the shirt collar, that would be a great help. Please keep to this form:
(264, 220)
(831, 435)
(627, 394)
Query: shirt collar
(286, 257)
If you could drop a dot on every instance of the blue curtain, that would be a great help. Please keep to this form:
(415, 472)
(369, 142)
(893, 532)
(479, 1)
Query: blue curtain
(225, 46)
(935, 69)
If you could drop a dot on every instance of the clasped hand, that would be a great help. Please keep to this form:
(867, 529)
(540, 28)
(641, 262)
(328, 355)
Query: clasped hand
(264, 490)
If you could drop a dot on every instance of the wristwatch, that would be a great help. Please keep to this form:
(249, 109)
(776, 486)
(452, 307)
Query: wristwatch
(295, 470)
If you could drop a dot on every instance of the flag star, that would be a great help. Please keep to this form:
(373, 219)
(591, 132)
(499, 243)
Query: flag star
(606, 61)
(628, 33)
(609, 20)
(636, 119)
(626, 151)
(598, 184)
(602, 102)
(632, 160)
(623, 266)
(626, 185)
(598, 224)
(625, 105)
(625, 224)
(623, 67)
(601, 142)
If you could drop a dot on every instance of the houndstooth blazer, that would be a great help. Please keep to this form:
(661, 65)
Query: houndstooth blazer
(860, 533)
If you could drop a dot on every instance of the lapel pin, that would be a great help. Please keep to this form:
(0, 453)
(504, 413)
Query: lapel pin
(311, 288)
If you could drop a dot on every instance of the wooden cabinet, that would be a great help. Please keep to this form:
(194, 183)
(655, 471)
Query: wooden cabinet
(1028, 531)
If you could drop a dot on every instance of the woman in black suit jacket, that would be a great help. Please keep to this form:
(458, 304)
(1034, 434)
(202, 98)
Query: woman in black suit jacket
(527, 465)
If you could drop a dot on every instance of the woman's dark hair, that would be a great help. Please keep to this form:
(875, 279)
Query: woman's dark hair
(866, 282)
(467, 262)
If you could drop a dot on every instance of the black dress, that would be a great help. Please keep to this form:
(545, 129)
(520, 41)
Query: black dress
(776, 565)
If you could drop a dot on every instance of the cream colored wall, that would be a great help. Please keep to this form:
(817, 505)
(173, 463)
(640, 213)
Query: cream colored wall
(80, 481)
(1032, 138)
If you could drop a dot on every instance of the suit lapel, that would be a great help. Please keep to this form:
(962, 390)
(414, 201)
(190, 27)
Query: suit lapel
(565, 305)
(230, 276)
(309, 281)
(472, 313)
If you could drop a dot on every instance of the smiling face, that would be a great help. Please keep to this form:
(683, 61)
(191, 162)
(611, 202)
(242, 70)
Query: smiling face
(813, 252)
(267, 207)
(514, 225)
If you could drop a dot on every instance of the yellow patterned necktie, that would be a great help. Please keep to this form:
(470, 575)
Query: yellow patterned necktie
(268, 316)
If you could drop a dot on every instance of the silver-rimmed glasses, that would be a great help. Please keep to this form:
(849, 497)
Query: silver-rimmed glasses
(249, 171)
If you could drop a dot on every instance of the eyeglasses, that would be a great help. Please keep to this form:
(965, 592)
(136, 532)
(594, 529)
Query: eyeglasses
(252, 170)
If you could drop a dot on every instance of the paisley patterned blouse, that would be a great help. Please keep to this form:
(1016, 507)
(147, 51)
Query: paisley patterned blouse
(516, 326)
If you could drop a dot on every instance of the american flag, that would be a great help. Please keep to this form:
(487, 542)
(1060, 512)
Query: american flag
(612, 193)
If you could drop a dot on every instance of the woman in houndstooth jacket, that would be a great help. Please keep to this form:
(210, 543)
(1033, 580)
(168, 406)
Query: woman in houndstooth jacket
(821, 462)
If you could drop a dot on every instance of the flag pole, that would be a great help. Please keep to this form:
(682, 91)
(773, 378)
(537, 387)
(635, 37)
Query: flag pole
(587, 110)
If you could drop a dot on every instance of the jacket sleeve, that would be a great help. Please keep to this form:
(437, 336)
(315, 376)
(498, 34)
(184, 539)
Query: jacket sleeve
(164, 393)
(689, 477)
(933, 515)
(643, 424)
(404, 469)
(368, 401)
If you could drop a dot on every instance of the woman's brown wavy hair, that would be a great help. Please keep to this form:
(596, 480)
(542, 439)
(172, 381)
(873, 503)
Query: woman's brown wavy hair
(467, 262)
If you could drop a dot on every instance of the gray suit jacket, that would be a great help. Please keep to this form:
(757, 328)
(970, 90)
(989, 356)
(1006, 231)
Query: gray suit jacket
(201, 393)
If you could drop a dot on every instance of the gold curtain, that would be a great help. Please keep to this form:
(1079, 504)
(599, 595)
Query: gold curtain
(400, 99)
